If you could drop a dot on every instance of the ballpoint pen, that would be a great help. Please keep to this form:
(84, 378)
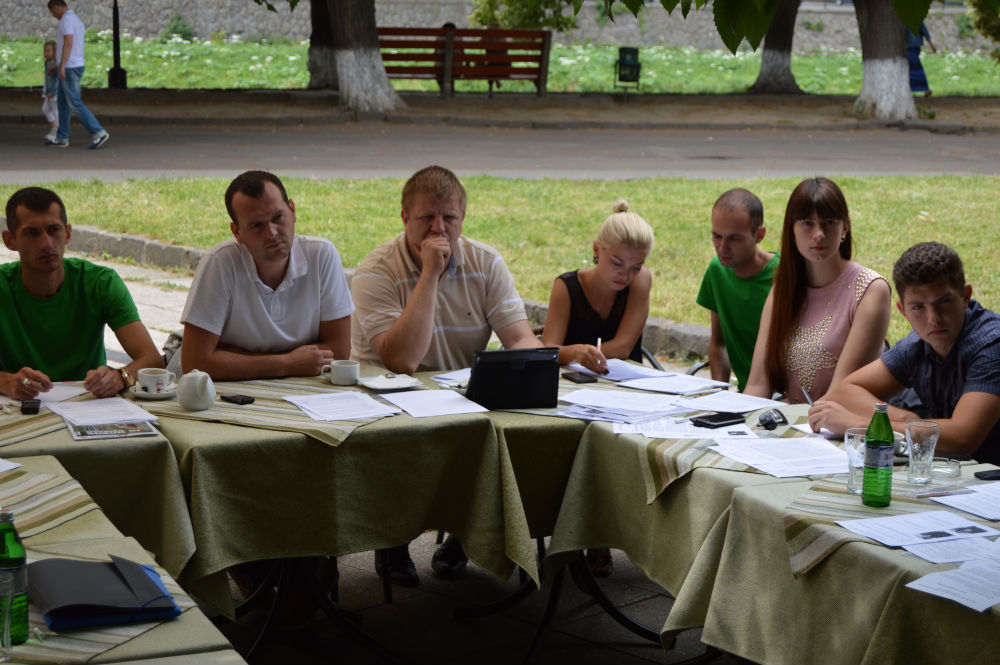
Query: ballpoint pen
(808, 398)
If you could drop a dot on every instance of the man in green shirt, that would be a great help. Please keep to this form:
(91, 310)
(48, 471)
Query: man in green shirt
(55, 309)
(736, 283)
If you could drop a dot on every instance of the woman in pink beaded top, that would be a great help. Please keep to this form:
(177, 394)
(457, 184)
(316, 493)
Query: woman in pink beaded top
(826, 316)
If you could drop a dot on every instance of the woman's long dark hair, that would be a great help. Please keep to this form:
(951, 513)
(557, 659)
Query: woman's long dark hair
(822, 196)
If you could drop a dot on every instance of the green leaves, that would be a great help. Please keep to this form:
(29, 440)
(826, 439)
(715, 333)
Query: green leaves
(912, 12)
(737, 20)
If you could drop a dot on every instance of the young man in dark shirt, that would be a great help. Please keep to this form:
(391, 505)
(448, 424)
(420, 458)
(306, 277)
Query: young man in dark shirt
(951, 360)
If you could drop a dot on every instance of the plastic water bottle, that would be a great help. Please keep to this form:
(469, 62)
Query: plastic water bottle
(12, 558)
(876, 489)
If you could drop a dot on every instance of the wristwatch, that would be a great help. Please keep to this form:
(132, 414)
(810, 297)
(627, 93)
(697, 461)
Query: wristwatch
(126, 377)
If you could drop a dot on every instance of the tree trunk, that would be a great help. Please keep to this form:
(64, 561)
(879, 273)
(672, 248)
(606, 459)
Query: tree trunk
(776, 59)
(364, 85)
(322, 63)
(885, 91)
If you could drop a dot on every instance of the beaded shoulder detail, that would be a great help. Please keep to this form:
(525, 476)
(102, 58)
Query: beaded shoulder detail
(863, 281)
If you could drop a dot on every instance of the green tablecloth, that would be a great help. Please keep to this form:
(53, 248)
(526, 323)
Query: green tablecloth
(852, 607)
(135, 481)
(56, 518)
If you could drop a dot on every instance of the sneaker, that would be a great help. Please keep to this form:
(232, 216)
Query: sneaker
(449, 560)
(99, 140)
(51, 136)
(58, 143)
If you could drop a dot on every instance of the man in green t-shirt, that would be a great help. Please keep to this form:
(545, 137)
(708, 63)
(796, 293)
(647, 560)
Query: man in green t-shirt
(736, 283)
(55, 309)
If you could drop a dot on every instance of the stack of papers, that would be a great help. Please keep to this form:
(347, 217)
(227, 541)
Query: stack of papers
(983, 501)
(784, 458)
(62, 391)
(729, 401)
(427, 403)
(107, 411)
(340, 406)
(678, 384)
(618, 406)
(681, 428)
(457, 379)
(916, 528)
(619, 370)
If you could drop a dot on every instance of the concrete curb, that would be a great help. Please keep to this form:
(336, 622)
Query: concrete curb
(661, 336)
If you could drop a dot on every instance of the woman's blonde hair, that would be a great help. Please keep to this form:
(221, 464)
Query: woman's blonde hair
(626, 228)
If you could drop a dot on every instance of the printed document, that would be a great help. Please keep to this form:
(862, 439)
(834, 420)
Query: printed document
(619, 370)
(426, 403)
(956, 551)
(785, 458)
(984, 501)
(106, 411)
(681, 428)
(62, 391)
(678, 384)
(916, 528)
(728, 401)
(975, 584)
(347, 405)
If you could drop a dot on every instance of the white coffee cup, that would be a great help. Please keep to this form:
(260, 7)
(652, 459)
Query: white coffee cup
(155, 380)
(342, 372)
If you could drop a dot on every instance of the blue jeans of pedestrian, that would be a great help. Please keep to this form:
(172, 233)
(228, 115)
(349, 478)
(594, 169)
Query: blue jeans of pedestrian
(68, 100)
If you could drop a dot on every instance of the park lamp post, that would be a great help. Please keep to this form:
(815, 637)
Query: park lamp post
(117, 77)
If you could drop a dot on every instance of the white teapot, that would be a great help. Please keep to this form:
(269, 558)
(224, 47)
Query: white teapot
(195, 391)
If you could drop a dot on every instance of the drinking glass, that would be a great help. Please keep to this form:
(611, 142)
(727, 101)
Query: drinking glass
(6, 598)
(921, 438)
(854, 444)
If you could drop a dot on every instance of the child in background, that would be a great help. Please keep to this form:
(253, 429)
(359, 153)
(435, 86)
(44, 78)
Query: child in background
(50, 87)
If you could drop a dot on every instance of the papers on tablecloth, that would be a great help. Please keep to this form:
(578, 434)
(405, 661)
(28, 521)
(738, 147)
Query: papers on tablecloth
(984, 501)
(619, 370)
(458, 378)
(680, 428)
(784, 458)
(62, 391)
(106, 411)
(426, 403)
(807, 429)
(678, 384)
(916, 528)
(957, 551)
(975, 584)
(618, 405)
(347, 405)
(729, 401)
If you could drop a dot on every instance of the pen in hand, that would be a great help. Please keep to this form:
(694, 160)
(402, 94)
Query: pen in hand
(808, 398)
(599, 348)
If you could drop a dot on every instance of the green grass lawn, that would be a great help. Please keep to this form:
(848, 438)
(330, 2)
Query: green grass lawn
(545, 227)
(572, 68)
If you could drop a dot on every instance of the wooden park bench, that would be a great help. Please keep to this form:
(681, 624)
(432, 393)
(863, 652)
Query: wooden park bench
(453, 54)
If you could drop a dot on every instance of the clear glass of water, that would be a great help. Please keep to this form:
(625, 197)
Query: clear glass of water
(921, 438)
(6, 598)
(854, 444)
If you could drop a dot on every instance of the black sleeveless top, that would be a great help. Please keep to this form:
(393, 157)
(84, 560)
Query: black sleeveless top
(585, 325)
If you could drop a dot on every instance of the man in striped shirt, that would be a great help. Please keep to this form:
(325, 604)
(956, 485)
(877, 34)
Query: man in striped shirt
(428, 300)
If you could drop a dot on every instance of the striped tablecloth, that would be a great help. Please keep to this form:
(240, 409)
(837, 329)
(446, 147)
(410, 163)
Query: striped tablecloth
(810, 520)
(41, 503)
(15, 428)
(666, 460)
(269, 410)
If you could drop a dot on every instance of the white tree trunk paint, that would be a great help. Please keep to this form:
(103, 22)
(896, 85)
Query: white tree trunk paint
(775, 73)
(364, 85)
(885, 92)
(322, 67)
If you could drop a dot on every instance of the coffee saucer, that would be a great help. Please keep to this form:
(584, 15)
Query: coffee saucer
(389, 381)
(168, 393)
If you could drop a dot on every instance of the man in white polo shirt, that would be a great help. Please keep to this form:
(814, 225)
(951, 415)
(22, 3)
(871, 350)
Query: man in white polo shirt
(428, 300)
(265, 303)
